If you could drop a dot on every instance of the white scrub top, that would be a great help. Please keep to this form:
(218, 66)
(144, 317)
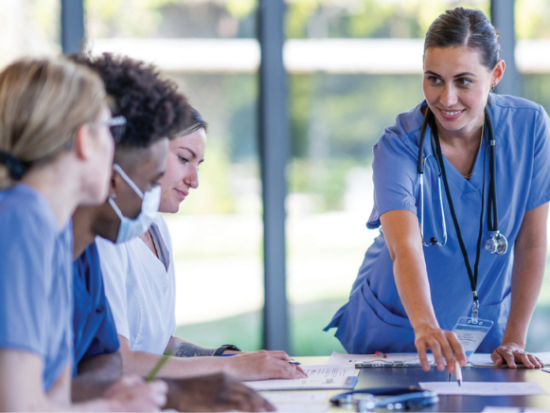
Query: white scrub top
(141, 289)
(374, 318)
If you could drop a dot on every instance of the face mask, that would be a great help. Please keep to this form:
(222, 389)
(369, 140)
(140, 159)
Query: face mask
(133, 228)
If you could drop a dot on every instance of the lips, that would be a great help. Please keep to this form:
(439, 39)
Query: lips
(181, 194)
(451, 114)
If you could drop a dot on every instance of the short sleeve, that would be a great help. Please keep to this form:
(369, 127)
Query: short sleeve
(105, 340)
(394, 172)
(114, 265)
(26, 250)
(539, 192)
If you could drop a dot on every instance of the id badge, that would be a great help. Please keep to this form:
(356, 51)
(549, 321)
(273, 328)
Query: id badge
(471, 332)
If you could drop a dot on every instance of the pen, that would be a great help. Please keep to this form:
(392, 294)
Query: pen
(162, 361)
(458, 372)
(234, 354)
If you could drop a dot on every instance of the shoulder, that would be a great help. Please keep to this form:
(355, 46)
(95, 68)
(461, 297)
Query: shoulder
(404, 134)
(24, 211)
(513, 102)
(505, 108)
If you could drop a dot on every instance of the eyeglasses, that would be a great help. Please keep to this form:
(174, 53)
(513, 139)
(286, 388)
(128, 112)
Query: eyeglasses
(117, 126)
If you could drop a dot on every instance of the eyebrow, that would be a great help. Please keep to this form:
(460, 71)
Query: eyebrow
(192, 153)
(429, 72)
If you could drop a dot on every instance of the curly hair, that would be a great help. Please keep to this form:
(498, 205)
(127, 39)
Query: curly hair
(152, 106)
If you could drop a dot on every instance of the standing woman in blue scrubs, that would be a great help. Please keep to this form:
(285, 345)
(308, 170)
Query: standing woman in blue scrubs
(56, 153)
(407, 297)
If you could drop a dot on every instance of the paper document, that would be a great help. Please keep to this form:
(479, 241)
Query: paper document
(500, 409)
(301, 401)
(372, 360)
(481, 388)
(319, 377)
(484, 359)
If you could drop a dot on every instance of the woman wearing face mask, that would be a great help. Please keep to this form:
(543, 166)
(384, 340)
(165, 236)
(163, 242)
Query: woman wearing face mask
(55, 154)
(143, 302)
(490, 155)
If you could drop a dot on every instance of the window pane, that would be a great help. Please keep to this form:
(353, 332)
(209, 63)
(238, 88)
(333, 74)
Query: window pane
(28, 28)
(354, 66)
(533, 33)
(208, 48)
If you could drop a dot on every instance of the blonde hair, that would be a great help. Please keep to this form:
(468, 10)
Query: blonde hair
(43, 103)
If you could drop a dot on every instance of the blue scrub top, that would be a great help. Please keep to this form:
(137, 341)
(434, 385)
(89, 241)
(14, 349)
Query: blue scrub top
(94, 328)
(35, 280)
(374, 318)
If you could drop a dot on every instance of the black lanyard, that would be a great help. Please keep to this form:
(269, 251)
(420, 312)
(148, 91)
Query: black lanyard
(472, 275)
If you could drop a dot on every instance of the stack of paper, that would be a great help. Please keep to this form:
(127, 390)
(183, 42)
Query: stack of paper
(372, 360)
(319, 378)
(484, 359)
(412, 360)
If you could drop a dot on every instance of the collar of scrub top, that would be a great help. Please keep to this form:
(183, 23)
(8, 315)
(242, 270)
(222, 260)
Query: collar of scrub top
(399, 398)
(492, 216)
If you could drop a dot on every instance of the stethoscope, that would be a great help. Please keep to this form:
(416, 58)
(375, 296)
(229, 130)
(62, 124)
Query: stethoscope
(400, 398)
(497, 242)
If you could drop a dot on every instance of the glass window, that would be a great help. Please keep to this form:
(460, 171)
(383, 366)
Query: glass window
(29, 28)
(533, 34)
(354, 66)
(208, 48)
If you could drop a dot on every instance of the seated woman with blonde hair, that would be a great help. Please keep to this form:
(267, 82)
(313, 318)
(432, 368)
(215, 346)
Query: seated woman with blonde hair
(56, 153)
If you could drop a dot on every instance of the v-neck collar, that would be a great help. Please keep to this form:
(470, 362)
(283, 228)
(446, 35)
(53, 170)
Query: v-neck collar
(465, 186)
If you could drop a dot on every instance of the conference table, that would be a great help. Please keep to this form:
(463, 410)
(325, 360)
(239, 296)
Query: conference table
(397, 377)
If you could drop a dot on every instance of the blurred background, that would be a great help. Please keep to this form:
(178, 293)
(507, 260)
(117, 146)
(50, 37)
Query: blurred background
(352, 66)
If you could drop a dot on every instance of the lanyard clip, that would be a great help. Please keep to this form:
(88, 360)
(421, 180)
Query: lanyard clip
(475, 308)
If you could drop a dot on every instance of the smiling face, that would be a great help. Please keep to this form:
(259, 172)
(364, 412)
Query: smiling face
(456, 86)
(185, 154)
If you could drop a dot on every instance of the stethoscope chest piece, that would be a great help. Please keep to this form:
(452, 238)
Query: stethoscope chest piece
(496, 244)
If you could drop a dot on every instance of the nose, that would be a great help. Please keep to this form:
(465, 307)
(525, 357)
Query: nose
(449, 96)
(192, 178)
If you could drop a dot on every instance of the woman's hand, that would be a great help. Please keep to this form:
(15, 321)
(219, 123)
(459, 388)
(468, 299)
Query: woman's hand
(512, 353)
(263, 365)
(132, 394)
(444, 344)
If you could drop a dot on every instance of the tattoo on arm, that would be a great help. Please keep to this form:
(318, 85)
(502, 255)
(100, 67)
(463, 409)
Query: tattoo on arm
(192, 350)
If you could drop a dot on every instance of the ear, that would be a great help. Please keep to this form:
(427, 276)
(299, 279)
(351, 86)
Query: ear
(82, 145)
(498, 73)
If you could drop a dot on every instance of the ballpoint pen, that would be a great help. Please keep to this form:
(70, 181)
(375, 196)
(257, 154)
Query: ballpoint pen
(458, 373)
(162, 361)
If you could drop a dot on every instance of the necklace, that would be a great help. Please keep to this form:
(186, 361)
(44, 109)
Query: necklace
(468, 176)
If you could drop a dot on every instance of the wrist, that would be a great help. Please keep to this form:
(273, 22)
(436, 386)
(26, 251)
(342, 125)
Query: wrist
(513, 341)
(425, 323)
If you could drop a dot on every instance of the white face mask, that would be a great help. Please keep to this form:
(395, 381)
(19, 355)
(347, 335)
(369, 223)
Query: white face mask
(133, 228)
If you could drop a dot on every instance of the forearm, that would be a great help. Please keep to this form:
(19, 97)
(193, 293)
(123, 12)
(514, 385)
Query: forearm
(527, 277)
(141, 363)
(95, 375)
(413, 286)
(182, 348)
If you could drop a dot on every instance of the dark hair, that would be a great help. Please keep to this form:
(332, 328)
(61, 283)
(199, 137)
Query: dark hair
(468, 28)
(195, 123)
(152, 106)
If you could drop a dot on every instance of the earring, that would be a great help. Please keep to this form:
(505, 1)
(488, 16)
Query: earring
(112, 195)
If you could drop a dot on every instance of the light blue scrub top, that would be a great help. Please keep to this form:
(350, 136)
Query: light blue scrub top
(35, 280)
(374, 318)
